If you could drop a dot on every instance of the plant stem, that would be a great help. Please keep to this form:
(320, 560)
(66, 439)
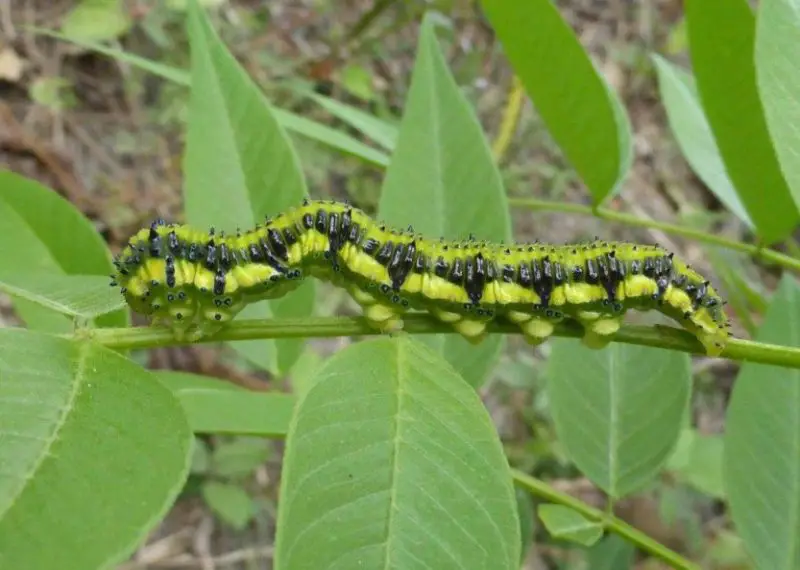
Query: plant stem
(541, 489)
(757, 251)
(510, 118)
(657, 336)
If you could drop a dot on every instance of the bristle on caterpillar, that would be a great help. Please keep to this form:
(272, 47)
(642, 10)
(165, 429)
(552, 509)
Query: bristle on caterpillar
(195, 281)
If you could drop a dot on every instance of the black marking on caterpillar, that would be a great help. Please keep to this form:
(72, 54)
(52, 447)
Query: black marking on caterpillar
(195, 282)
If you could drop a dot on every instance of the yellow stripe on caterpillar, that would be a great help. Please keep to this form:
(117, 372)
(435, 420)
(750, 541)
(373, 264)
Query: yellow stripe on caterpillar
(195, 281)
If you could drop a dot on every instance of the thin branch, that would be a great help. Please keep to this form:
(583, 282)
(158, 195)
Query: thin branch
(610, 522)
(657, 336)
(510, 118)
(757, 251)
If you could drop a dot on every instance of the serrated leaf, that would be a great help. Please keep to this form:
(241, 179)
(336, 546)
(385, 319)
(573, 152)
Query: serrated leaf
(396, 451)
(761, 462)
(288, 120)
(83, 296)
(618, 410)
(721, 45)
(581, 111)
(567, 524)
(442, 161)
(693, 133)
(237, 155)
(230, 503)
(86, 436)
(33, 223)
(778, 77)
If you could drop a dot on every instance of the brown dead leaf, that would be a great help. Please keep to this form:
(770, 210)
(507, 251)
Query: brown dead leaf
(11, 65)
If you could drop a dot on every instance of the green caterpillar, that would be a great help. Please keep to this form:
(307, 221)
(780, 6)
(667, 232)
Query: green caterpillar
(195, 282)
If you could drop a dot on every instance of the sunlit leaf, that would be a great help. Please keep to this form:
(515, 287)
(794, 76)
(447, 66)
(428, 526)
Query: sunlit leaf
(581, 111)
(86, 436)
(618, 410)
(442, 160)
(722, 43)
(396, 452)
(762, 444)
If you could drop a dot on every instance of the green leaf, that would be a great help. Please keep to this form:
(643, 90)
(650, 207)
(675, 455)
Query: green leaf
(581, 111)
(721, 41)
(396, 452)
(34, 221)
(215, 406)
(442, 161)
(527, 523)
(762, 444)
(691, 129)
(567, 524)
(240, 457)
(96, 20)
(230, 503)
(618, 410)
(697, 460)
(778, 76)
(330, 137)
(88, 437)
(611, 553)
(237, 412)
(239, 167)
(185, 381)
(383, 133)
(288, 120)
(83, 296)
(357, 80)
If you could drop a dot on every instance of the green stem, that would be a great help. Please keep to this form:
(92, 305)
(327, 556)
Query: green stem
(653, 547)
(658, 336)
(769, 255)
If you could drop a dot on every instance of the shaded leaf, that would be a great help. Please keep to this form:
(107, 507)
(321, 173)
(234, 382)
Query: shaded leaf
(396, 451)
(219, 407)
(567, 524)
(230, 503)
(240, 457)
(697, 460)
(581, 111)
(84, 296)
(721, 41)
(442, 161)
(86, 436)
(691, 130)
(237, 412)
(778, 77)
(618, 410)
(762, 444)
(237, 155)
(611, 553)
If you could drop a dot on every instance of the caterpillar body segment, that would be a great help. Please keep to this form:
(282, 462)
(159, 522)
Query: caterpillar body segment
(195, 282)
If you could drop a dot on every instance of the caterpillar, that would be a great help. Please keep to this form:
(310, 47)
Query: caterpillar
(195, 282)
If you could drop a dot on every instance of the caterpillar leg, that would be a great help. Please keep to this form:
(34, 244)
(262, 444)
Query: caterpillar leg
(535, 329)
(380, 316)
(598, 328)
